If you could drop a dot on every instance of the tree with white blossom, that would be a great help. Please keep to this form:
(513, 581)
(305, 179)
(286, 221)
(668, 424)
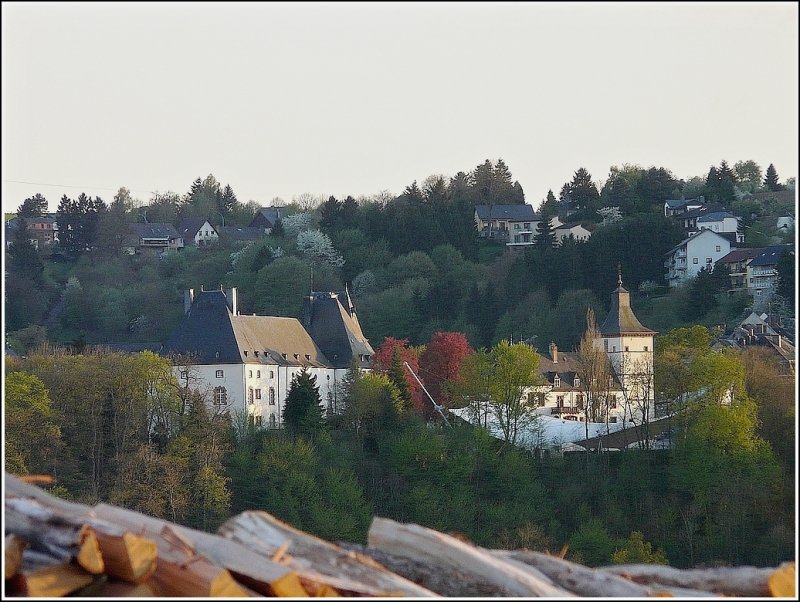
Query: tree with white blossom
(296, 223)
(317, 245)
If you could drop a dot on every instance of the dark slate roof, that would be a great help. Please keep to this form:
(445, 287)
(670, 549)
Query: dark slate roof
(566, 367)
(331, 320)
(237, 233)
(737, 255)
(206, 332)
(621, 319)
(715, 216)
(568, 226)
(268, 214)
(213, 335)
(515, 213)
(189, 227)
(769, 255)
(675, 203)
(154, 230)
(700, 211)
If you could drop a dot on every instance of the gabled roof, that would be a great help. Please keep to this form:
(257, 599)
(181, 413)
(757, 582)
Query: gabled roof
(621, 319)
(700, 211)
(737, 255)
(703, 232)
(240, 233)
(270, 214)
(189, 227)
(213, 335)
(331, 320)
(515, 213)
(570, 226)
(715, 216)
(676, 203)
(769, 255)
(154, 230)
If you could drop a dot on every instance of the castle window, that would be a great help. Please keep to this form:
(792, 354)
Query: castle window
(250, 394)
(694, 260)
(220, 396)
(605, 345)
(185, 374)
(259, 421)
(258, 393)
(645, 347)
(271, 374)
(626, 348)
(219, 373)
(258, 372)
(272, 421)
(249, 374)
(272, 396)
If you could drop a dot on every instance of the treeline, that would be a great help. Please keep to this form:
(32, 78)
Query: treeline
(119, 428)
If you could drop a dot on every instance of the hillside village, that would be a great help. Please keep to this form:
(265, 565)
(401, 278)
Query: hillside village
(381, 355)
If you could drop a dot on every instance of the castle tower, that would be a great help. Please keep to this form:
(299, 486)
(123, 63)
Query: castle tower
(629, 346)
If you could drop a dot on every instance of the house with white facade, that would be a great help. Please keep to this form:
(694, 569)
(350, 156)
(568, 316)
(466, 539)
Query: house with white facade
(245, 364)
(155, 237)
(513, 224)
(700, 250)
(720, 222)
(678, 206)
(737, 261)
(197, 231)
(572, 229)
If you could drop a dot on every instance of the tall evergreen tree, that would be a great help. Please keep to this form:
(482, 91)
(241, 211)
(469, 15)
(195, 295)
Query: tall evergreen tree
(771, 179)
(549, 208)
(584, 198)
(302, 414)
(545, 236)
(35, 206)
(398, 375)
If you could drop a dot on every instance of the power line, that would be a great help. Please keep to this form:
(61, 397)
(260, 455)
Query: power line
(74, 186)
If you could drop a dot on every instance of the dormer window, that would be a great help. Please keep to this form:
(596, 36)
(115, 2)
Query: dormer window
(245, 353)
(576, 382)
(284, 356)
(256, 352)
(556, 381)
(297, 356)
(308, 357)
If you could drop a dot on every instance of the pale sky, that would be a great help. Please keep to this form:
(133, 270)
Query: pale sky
(353, 98)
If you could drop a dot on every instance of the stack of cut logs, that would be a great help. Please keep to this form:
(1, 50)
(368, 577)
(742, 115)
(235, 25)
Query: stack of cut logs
(56, 548)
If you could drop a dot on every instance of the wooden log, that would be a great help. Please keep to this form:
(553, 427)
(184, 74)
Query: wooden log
(581, 580)
(317, 560)
(52, 581)
(443, 550)
(727, 581)
(13, 554)
(70, 531)
(783, 581)
(253, 570)
(113, 588)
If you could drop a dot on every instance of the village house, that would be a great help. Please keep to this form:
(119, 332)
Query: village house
(266, 218)
(762, 271)
(574, 229)
(42, 230)
(679, 206)
(737, 261)
(700, 250)
(153, 237)
(197, 231)
(245, 364)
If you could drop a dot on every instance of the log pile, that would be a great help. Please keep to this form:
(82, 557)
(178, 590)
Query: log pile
(56, 548)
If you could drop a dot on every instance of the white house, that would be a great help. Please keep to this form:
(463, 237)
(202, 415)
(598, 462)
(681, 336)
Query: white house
(678, 206)
(720, 222)
(575, 229)
(154, 237)
(700, 250)
(762, 271)
(197, 231)
(245, 364)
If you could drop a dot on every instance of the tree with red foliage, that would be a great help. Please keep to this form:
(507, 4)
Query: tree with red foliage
(383, 360)
(441, 361)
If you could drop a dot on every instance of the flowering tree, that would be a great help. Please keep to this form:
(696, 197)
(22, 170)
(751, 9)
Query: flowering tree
(610, 215)
(317, 245)
(294, 224)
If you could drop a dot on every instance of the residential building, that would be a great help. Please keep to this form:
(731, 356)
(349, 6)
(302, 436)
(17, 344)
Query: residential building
(197, 231)
(628, 347)
(679, 206)
(785, 224)
(700, 250)
(762, 271)
(513, 224)
(153, 237)
(736, 261)
(756, 330)
(266, 219)
(42, 230)
(246, 364)
(573, 229)
(239, 235)
(721, 222)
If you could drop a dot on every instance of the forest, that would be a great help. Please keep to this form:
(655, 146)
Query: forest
(117, 427)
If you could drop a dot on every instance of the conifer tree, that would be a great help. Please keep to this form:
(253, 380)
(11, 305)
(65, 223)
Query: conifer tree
(545, 237)
(302, 414)
(398, 375)
(771, 179)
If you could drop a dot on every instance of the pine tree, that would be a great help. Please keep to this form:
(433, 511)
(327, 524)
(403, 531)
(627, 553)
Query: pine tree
(545, 237)
(549, 208)
(35, 206)
(398, 375)
(302, 414)
(771, 179)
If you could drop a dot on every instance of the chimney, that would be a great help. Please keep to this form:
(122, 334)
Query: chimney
(554, 352)
(188, 299)
(230, 298)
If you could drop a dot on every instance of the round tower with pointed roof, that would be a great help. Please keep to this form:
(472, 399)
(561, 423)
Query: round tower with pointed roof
(629, 346)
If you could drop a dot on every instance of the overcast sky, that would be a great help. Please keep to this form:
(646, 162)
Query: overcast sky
(282, 99)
